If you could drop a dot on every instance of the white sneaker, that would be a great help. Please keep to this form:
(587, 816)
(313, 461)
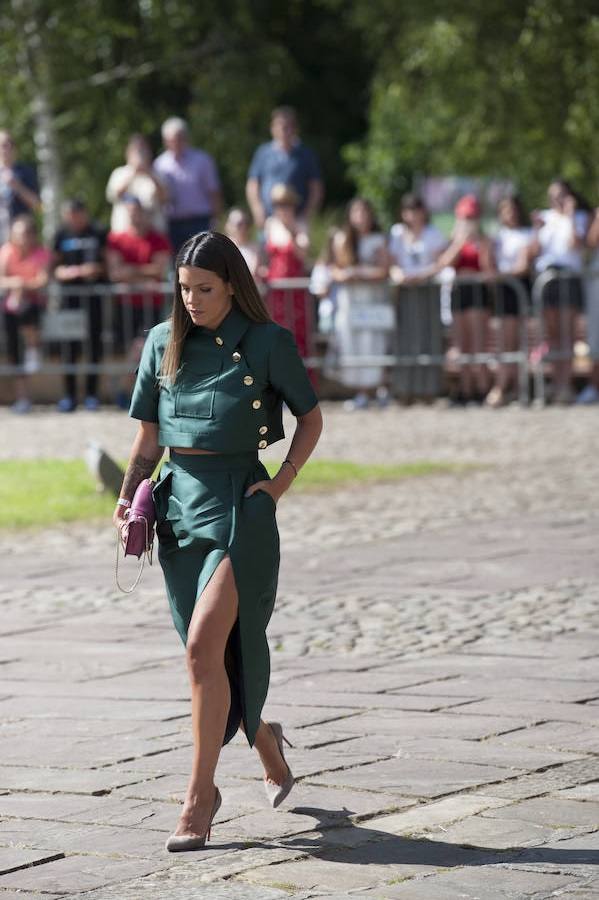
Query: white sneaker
(588, 395)
(360, 401)
(32, 362)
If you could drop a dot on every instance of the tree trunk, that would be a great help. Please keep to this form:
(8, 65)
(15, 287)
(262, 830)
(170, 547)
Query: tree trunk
(34, 61)
(48, 162)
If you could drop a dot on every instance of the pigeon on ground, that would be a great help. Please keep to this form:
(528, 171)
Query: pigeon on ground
(106, 471)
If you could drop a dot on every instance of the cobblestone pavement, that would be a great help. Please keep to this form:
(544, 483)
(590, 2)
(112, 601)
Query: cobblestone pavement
(434, 662)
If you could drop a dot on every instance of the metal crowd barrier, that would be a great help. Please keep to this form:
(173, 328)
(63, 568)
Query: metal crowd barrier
(92, 328)
(378, 329)
(489, 295)
(574, 296)
(406, 330)
(292, 305)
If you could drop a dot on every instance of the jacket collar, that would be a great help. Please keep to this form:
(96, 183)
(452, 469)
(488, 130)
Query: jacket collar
(231, 329)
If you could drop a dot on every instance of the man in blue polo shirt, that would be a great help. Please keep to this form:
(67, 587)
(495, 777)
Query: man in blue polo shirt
(284, 160)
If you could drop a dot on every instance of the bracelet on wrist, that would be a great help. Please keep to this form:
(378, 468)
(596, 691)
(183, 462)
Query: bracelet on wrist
(288, 461)
(122, 501)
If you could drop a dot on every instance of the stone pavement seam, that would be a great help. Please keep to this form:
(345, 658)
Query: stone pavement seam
(7, 870)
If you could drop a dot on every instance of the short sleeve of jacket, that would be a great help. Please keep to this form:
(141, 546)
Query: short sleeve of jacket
(144, 400)
(288, 375)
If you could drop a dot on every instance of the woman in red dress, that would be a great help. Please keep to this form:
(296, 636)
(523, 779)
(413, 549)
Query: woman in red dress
(286, 245)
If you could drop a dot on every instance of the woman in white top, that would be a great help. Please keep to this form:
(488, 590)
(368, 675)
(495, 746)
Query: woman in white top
(512, 248)
(558, 246)
(237, 227)
(414, 244)
(137, 179)
(364, 316)
(414, 247)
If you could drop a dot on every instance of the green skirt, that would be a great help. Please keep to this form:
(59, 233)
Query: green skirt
(202, 515)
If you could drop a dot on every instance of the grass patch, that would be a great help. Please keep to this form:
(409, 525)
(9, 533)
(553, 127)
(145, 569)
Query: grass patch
(40, 493)
(47, 491)
(329, 474)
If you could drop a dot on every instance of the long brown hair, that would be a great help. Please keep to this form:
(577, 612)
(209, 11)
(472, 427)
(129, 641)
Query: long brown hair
(352, 238)
(216, 252)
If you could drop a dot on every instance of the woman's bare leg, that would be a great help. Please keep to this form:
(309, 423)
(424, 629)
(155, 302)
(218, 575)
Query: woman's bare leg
(21, 392)
(507, 373)
(478, 327)
(213, 618)
(559, 325)
(275, 767)
(461, 336)
(31, 335)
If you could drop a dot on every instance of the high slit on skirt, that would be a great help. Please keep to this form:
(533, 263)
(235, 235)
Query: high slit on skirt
(202, 516)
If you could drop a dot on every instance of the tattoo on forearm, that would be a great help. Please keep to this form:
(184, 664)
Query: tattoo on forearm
(139, 468)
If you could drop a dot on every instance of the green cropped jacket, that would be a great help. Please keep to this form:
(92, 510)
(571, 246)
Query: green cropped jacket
(230, 387)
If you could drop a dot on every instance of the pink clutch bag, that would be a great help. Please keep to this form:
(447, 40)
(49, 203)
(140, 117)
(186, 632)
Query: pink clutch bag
(136, 532)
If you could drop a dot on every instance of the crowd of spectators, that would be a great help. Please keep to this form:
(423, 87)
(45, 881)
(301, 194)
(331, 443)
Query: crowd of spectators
(490, 274)
(157, 204)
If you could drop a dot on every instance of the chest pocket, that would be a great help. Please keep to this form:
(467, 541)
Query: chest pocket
(194, 397)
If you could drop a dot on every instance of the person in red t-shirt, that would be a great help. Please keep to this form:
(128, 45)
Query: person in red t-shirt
(470, 254)
(138, 256)
(24, 267)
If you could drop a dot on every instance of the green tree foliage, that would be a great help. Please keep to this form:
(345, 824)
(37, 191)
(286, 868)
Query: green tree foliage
(502, 89)
(386, 89)
(110, 69)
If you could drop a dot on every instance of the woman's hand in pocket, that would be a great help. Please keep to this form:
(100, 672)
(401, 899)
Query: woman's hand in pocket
(268, 487)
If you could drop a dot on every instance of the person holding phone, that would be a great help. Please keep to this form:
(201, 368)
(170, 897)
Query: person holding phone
(24, 274)
(470, 254)
(512, 254)
(558, 250)
(137, 179)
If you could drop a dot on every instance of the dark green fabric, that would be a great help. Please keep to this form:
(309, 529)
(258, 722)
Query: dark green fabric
(210, 406)
(201, 516)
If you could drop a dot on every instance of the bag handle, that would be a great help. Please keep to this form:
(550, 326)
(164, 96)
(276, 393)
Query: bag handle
(147, 553)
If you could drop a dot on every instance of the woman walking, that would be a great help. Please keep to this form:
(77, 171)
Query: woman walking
(210, 386)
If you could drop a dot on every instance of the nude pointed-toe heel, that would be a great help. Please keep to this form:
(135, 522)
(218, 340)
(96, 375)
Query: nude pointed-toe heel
(177, 842)
(276, 793)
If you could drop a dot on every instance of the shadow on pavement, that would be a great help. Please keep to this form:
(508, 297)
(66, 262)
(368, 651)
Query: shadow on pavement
(367, 845)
